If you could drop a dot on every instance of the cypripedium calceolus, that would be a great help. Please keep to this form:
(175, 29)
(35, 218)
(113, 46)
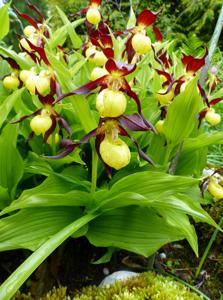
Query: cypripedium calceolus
(44, 121)
(139, 43)
(171, 87)
(108, 80)
(213, 183)
(111, 149)
(111, 103)
(92, 12)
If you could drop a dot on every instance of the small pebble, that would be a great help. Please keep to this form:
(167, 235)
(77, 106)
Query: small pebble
(116, 276)
(106, 271)
(163, 255)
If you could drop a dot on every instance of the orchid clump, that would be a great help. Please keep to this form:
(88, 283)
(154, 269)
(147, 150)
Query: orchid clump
(109, 129)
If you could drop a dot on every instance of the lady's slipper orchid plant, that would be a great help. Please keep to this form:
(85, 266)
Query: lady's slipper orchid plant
(158, 195)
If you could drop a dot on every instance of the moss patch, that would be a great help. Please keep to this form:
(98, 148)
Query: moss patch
(145, 286)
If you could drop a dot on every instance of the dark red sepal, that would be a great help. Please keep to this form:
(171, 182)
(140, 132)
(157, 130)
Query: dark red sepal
(201, 116)
(32, 21)
(142, 154)
(158, 34)
(68, 148)
(98, 140)
(165, 58)
(204, 185)
(40, 51)
(11, 62)
(34, 8)
(27, 116)
(203, 94)
(88, 136)
(135, 122)
(120, 67)
(178, 87)
(127, 90)
(108, 52)
(129, 50)
(31, 54)
(166, 74)
(63, 123)
(156, 57)
(146, 18)
(51, 129)
(48, 99)
(194, 64)
(96, 2)
(215, 101)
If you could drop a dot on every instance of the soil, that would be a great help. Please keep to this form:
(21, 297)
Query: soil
(71, 265)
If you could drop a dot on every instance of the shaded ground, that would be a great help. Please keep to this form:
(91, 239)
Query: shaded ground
(71, 264)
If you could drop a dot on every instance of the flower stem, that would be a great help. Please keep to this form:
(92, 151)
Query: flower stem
(94, 171)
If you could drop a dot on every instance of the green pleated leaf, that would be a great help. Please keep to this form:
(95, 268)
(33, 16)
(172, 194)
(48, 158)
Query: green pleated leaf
(179, 202)
(4, 17)
(203, 140)
(30, 228)
(8, 104)
(192, 162)
(34, 164)
(54, 191)
(11, 162)
(193, 157)
(138, 230)
(182, 223)
(4, 197)
(184, 204)
(182, 114)
(151, 184)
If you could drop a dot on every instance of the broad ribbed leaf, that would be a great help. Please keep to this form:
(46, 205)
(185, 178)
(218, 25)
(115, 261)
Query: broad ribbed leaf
(35, 164)
(4, 197)
(203, 140)
(139, 230)
(179, 202)
(182, 114)
(54, 191)
(151, 184)
(193, 157)
(8, 104)
(182, 223)
(11, 162)
(30, 228)
(73, 198)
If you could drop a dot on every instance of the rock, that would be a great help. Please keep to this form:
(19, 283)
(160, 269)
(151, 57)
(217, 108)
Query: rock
(116, 276)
